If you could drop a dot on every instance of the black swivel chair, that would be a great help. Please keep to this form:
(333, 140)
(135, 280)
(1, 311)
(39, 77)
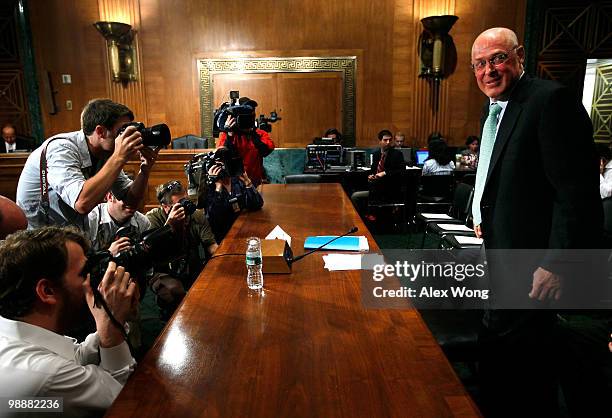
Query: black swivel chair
(189, 142)
(302, 178)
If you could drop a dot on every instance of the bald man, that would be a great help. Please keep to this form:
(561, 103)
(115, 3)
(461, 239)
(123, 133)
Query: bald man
(532, 192)
(12, 142)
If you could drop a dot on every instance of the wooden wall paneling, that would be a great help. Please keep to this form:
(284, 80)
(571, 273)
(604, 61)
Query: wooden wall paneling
(309, 103)
(131, 94)
(259, 87)
(404, 75)
(65, 42)
(173, 35)
(426, 119)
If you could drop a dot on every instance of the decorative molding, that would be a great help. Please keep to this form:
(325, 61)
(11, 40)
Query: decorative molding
(601, 111)
(207, 68)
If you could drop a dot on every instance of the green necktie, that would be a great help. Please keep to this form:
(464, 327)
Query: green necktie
(486, 149)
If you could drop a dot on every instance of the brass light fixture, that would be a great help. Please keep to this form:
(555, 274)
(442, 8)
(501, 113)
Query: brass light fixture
(121, 51)
(437, 52)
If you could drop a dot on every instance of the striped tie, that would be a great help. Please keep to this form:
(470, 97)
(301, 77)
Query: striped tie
(486, 149)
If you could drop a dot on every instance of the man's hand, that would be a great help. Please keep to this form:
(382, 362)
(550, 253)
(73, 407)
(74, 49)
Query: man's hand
(546, 285)
(148, 157)
(230, 122)
(477, 231)
(381, 174)
(245, 179)
(120, 294)
(127, 143)
(176, 217)
(122, 244)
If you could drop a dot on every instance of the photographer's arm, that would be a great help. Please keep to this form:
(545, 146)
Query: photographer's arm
(95, 188)
(139, 186)
(262, 142)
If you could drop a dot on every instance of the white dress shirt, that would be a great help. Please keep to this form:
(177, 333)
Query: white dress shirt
(10, 147)
(605, 181)
(68, 165)
(37, 362)
(432, 168)
(102, 227)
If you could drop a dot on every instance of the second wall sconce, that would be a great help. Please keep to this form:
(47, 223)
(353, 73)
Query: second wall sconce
(437, 52)
(121, 50)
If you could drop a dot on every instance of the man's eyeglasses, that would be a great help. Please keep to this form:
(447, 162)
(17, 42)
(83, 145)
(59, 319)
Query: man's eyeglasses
(496, 60)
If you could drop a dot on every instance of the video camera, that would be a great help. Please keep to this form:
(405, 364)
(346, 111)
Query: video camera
(153, 246)
(199, 166)
(243, 113)
(264, 123)
(243, 110)
(155, 136)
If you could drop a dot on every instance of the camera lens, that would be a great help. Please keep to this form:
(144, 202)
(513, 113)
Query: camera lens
(156, 135)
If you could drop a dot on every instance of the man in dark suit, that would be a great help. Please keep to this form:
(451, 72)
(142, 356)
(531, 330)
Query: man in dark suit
(12, 142)
(388, 165)
(531, 193)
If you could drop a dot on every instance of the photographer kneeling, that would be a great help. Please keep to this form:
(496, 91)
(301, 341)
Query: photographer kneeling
(44, 290)
(228, 194)
(190, 229)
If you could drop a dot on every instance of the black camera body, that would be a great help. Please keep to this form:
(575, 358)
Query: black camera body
(265, 124)
(244, 115)
(153, 246)
(188, 206)
(155, 136)
(232, 164)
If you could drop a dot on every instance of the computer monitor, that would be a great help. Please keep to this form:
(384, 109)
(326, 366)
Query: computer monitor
(323, 156)
(407, 153)
(421, 156)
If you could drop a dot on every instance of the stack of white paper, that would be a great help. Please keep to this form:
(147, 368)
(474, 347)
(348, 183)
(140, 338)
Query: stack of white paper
(435, 216)
(455, 227)
(468, 240)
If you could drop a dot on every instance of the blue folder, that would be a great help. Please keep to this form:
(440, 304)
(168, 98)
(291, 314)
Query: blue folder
(344, 243)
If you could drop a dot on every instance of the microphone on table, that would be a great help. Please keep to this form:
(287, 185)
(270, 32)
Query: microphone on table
(299, 257)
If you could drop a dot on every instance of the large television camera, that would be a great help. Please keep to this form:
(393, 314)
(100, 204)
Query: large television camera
(153, 246)
(243, 111)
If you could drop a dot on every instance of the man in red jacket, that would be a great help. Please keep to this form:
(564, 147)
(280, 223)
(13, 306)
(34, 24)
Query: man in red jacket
(252, 145)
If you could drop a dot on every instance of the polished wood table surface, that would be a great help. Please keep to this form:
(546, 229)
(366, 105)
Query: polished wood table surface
(306, 346)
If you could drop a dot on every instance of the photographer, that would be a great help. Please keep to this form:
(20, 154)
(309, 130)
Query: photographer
(190, 230)
(108, 217)
(229, 195)
(252, 144)
(82, 166)
(43, 292)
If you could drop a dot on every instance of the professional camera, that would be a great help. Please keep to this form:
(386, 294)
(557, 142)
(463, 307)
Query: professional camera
(243, 110)
(230, 163)
(264, 123)
(188, 206)
(153, 246)
(155, 136)
(197, 169)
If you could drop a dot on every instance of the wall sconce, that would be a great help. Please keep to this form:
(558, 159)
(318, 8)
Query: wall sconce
(437, 52)
(121, 51)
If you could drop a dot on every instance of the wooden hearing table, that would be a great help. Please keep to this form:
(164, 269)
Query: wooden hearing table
(305, 347)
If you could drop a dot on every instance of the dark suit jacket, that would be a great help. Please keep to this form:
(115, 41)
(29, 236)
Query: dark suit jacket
(22, 144)
(388, 187)
(540, 193)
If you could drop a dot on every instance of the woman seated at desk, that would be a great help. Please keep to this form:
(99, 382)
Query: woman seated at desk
(439, 162)
(469, 156)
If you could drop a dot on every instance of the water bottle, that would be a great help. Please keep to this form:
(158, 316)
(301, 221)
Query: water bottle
(253, 264)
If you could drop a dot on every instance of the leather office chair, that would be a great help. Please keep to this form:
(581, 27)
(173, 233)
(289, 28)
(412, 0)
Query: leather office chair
(189, 142)
(302, 178)
(436, 189)
(458, 214)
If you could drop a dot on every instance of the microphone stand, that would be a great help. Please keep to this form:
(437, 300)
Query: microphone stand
(351, 231)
